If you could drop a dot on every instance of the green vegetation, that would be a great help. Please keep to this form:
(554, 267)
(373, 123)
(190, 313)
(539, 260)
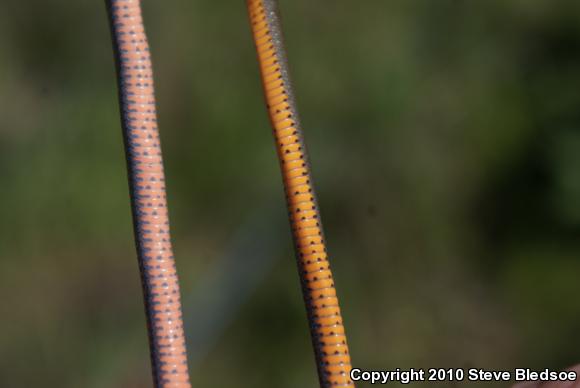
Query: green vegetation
(445, 143)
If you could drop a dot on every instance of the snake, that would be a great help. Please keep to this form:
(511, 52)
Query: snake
(148, 197)
(318, 287)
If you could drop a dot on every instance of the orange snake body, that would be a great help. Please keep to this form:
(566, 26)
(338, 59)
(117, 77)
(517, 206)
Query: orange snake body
(326, 325)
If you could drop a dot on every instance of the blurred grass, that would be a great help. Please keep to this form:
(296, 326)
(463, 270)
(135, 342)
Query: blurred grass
(444, 145)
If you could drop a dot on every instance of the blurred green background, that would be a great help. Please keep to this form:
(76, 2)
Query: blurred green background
(444, 137)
